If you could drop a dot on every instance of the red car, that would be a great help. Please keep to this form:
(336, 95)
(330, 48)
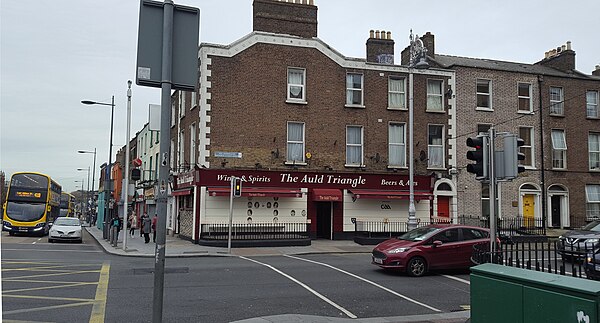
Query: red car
(439, 246)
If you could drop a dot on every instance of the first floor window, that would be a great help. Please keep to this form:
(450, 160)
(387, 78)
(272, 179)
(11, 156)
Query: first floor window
(396, 93)
(525, 97)
(436, 146)
(181, 160)
(354, 145)
(192, 145)
(526, 133)
(556, 101)
(559, 149)
(295, 142)
(397, 145)
(591, 99)
(484, 94)
(594, 150)
(354, 89)
(151, 168)
(592, 194)
(296, 78)
(434, 95)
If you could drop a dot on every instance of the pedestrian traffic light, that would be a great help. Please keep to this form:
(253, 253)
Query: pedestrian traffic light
(479, 155)
(237, 187)
(512, 156)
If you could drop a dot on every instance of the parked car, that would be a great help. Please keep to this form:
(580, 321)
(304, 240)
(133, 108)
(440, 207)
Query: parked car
(576, 244)
(66, 229)
(439, 246)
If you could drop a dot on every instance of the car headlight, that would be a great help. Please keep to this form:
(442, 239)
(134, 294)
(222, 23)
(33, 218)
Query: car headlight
(561, 237)
(399, 250)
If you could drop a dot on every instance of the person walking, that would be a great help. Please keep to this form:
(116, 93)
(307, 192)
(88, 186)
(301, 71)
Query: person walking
(132, 223)
(141, 223)
(154, 221)
(146, 227)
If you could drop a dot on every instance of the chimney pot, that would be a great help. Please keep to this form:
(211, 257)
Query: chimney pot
(597, 67)
(563, 48)
(383, 34)
(389, 35)
(371, 33)
(377, 34)
(568, 45)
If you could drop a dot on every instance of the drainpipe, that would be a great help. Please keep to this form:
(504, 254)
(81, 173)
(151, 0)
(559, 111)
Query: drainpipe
(541, 130)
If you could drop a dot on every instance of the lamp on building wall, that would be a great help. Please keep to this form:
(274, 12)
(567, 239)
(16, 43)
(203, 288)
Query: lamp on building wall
(417, 60)
(108, 174)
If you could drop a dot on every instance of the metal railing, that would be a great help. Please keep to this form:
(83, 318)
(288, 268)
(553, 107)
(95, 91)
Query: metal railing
(255, 231)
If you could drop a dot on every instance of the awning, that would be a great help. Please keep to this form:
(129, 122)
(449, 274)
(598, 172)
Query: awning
(326, 194)
(257, 192)
(186, 191)
(389, 195)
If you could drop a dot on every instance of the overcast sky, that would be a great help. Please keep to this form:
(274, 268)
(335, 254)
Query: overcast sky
(53, 54)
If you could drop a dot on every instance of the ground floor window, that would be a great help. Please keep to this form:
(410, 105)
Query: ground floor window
(592, 193)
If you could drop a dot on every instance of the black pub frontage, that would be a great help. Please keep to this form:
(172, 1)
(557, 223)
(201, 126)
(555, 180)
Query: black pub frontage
(322, 205)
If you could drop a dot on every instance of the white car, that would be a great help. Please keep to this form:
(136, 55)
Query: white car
(65, 229)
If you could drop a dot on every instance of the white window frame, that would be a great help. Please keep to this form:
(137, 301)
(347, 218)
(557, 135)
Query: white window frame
(302, 86)
(289, 158)
(151, 169)
(181, 104)
(431, 147)
(559, 149)
(400, 145)
(194, 100)
(350, 90)
(181, 158)
(156, 164)
(401, 93)
(594, 151)
(438, 98)
(557, 105)
(359, 145)
(192, 145)
(528, 147)
(173, 114)
(592, 198)
(591, 103)
(488, 94)
(525, 97)
(172, 157)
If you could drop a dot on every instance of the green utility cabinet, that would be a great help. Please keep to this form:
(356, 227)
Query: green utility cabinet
(502, 294)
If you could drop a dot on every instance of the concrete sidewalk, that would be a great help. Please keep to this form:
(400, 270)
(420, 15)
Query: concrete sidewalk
(176, 247)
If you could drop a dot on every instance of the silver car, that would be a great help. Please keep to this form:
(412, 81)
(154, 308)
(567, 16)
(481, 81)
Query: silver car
(65, 229)
(576, 244)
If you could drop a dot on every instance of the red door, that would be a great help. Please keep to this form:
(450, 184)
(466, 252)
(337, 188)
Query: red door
(443, 206)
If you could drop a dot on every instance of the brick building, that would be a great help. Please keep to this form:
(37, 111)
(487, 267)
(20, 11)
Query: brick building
(318, 137)
(550, 105)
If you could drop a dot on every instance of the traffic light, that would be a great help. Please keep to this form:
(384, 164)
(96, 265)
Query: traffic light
(136, 174)
(237, 187)
(512, 156)
(479, 155)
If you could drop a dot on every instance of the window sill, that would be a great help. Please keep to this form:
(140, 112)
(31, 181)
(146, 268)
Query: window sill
(397, 109)
(559, 169)
(193, 107)
(292, 101)
(435, 111)
(440, 168)
(357, 106)
(530, 168)
(525, 112)
(484, 109)
(354, 166)
(593, 118)
(396, 167)
(595, 170)
(557, 115)
(295, 163)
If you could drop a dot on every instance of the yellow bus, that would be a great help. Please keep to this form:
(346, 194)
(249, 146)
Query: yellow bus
(32, 203)
(67, 204)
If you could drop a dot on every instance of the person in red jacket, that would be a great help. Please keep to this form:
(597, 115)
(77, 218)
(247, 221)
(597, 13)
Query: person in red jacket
(154, 220)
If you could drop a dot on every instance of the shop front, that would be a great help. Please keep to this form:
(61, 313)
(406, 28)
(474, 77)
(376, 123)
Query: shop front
(325, 203)
(182, 220)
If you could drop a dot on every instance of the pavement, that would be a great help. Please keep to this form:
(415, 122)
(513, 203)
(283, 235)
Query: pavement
(177, 248)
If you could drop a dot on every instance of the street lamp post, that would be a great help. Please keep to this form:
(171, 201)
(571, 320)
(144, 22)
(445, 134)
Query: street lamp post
(108, 173)
(417, 60)
(93, 177)
(126, 188)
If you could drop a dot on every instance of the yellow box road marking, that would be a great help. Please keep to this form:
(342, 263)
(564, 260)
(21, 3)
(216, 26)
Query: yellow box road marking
(70, 299)
(57, 274)
(37, 309)
(45, 281)
(47, 268)
(99, 308)
(47, 287)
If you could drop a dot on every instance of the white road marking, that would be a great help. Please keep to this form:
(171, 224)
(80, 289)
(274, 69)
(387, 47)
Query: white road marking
(458, 279)
(367, 281)
(327, 300)
(50, 250)
(36, 241)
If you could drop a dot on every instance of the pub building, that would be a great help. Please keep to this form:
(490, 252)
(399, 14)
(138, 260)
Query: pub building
(329, 202)
(318, 138)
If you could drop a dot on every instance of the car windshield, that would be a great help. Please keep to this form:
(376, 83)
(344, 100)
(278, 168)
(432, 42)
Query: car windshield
(418, 234)
(67, 222)
(593, 226)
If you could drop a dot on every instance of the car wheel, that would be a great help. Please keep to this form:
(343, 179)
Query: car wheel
(417, 267)
(50, 240)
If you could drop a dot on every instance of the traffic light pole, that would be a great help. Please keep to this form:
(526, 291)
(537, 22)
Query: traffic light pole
(230, 214)
(492, 190)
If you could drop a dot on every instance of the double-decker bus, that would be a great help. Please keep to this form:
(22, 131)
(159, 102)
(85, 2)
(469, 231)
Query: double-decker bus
(67, 204)
(32, 203)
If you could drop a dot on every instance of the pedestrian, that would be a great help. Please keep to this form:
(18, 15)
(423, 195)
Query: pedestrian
(146, 227)
(154, 221)
(132, 223)
(142, 231)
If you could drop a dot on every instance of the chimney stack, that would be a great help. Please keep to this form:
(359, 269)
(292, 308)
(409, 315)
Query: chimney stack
(291, 17)
(596, 72)
(380, 47)
(561, 58)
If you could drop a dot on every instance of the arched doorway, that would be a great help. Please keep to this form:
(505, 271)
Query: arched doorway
(529, 204)
(558, 206)
(444, 202)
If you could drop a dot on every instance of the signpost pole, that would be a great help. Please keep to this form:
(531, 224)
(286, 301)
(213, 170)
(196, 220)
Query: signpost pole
(230, 215)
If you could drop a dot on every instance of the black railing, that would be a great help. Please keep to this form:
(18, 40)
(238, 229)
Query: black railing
(388, 228)
(254, 231)
(577, 259)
